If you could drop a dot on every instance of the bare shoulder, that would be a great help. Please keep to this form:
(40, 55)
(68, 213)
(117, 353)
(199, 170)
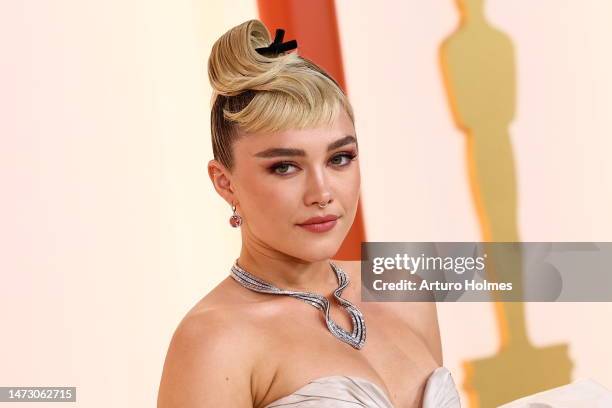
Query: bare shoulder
(207, 364)
(422, 317)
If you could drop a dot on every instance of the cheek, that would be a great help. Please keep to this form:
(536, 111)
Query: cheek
(357, 181)
(350, 185)
(269, 200)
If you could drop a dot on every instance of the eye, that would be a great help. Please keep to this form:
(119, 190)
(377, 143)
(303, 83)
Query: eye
(343, 159)
(282, 168)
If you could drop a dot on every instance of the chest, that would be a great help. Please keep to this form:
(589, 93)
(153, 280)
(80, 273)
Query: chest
(301, 349)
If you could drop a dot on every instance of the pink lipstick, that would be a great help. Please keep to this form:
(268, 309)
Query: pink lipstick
(319, 224)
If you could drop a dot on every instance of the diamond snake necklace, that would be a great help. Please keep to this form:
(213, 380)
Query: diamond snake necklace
(356, 338)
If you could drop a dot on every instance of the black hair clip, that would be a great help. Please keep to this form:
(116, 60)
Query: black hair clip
(278, 45)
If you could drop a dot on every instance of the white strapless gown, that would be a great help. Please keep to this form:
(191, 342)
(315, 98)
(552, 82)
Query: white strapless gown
(340, 391)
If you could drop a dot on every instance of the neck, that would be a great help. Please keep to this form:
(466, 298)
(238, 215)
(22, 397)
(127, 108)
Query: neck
(471, 10)
(289, 273)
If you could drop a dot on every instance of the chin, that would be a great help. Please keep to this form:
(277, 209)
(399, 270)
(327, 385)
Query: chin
(321, 252)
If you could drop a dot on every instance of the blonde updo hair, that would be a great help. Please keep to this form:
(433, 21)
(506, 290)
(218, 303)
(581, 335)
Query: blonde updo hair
(257, 93)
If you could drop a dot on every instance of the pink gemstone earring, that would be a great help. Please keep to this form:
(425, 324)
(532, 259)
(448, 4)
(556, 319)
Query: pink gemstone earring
(235, 220)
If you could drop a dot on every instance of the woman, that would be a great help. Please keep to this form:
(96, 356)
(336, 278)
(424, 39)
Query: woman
(285, 160)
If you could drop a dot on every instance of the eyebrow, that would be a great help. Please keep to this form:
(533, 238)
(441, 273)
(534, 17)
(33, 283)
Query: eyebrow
(284, 151)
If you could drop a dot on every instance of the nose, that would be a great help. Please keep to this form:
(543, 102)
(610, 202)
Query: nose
(318, 191)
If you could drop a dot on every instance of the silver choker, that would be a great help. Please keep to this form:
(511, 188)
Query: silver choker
(356, 338)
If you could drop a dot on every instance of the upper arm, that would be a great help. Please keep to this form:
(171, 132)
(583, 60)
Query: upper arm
(205, 366)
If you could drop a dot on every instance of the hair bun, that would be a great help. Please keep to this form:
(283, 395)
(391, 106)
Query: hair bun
(235, 66)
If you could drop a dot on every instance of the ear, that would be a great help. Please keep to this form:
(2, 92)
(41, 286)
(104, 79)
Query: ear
(221, 179)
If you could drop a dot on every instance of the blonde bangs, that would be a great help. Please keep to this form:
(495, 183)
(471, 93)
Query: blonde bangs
(275, 111)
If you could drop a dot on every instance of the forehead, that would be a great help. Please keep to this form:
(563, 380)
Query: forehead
(307, 139)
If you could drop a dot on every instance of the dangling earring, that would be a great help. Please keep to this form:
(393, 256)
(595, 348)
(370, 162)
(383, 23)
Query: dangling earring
(235, 220)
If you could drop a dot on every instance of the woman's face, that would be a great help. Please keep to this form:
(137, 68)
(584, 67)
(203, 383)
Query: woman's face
(279, 180)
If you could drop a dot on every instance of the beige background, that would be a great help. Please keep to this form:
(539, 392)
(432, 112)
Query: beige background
(110, 229)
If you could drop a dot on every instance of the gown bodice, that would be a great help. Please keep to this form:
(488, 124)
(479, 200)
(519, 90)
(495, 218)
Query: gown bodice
(340, 391)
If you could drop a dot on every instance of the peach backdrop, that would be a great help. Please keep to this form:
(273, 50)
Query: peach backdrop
(110, 229)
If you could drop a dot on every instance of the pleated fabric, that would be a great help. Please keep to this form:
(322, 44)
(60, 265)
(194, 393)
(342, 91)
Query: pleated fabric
(340, 391)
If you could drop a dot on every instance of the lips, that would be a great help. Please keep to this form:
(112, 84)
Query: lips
(319, 220)
(319, 224)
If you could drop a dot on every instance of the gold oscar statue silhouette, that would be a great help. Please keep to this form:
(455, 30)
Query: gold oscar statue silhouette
(477, 63)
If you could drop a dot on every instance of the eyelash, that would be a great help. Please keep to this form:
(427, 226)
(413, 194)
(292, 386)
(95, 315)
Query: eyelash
(349, 155)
